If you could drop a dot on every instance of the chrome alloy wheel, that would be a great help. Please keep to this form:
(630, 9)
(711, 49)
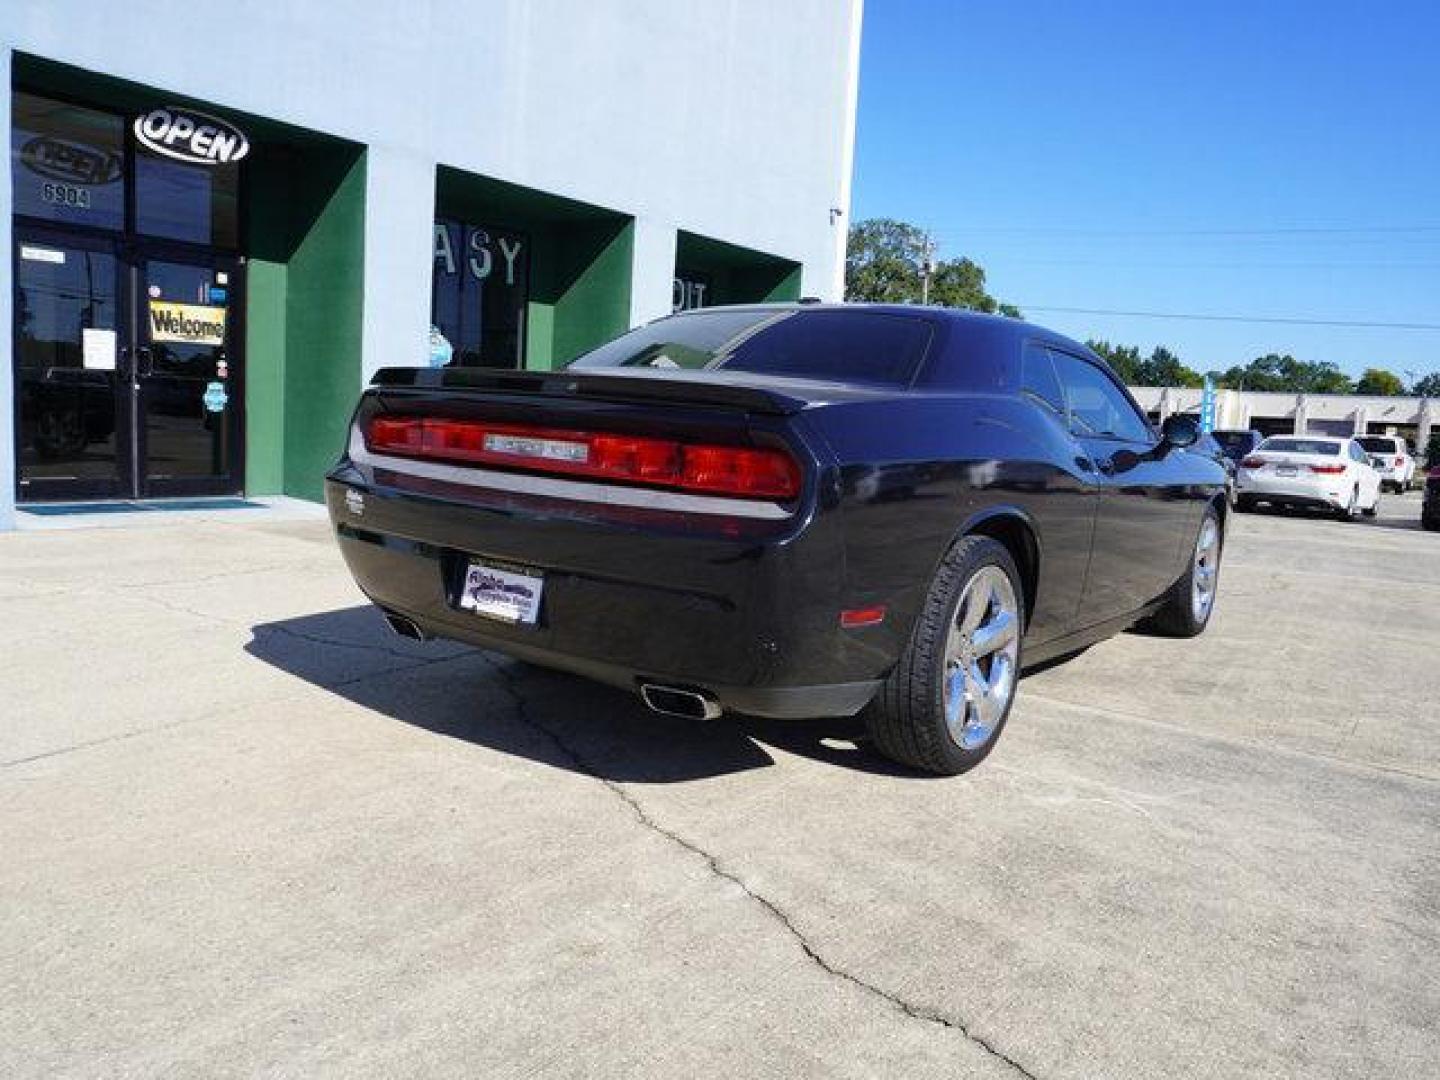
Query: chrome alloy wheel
(982, 651)
(1207, 566)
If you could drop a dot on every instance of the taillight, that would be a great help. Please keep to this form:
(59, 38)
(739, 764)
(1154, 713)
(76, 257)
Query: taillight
(1252, 463)
(1399, 461)
(719, 470)
(1329, 470)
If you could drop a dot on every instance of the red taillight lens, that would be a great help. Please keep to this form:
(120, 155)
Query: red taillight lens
(720, 470)
(1253, 463)
(1329, 470)
(1399, 461)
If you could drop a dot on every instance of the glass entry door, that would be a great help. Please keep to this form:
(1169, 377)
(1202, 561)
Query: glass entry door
(71, 379)
(187, 374)
(128, 375)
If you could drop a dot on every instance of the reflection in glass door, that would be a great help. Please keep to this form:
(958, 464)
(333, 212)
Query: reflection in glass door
(127, 379)
(187, 375)
(69, 360)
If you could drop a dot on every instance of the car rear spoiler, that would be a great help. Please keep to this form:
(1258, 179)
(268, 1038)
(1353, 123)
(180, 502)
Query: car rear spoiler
(690, 388)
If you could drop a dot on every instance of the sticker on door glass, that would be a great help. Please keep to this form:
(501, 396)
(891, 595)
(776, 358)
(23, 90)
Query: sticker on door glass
(40, 254)
(190, 324)
(215, 397)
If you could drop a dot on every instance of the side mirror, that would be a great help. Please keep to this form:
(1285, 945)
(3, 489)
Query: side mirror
(1180, 430)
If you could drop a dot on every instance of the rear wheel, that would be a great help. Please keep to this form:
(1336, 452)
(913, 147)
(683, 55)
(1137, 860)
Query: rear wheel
(1374, 508)
(1187, 607)
(944, 704)
(1348, 513)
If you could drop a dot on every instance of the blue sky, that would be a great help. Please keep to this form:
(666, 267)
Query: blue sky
(1253, 159)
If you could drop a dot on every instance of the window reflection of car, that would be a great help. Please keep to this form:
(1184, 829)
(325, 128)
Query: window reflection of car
(1209, 447)
(65, 409)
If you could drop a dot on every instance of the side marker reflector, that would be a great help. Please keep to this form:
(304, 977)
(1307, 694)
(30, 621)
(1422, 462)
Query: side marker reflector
(865, 616)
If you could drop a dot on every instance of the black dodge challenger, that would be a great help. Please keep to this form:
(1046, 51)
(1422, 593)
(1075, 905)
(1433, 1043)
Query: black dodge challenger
(798, 510)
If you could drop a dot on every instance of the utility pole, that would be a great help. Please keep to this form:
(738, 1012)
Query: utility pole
(927, 268)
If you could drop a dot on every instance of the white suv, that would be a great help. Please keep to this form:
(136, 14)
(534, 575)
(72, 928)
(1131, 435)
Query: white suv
(1390, 455)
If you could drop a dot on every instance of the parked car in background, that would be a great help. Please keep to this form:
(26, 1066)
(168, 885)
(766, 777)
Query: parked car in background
(1316, 471)
(1430, 508)
(799, 510)
(1237, 442)
(1390, 454)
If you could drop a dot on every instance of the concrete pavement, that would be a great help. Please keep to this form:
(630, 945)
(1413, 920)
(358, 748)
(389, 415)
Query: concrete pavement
(247, 832)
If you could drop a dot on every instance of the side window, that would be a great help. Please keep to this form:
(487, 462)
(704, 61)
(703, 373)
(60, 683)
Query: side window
(1038, 381)
(1097, 405)
(1357, 453)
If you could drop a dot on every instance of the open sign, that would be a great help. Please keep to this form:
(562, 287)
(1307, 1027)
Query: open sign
(195, 137)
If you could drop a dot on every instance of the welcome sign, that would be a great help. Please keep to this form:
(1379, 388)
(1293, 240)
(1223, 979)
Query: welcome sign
(189, 324)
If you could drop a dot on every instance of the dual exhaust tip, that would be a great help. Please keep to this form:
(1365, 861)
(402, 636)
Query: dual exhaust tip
(667, 700)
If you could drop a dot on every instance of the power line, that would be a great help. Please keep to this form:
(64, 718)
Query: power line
(1281, 320)
(1022, 260)
(1348, 230)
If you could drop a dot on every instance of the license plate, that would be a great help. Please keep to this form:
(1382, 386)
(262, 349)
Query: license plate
(1285, 470)
(506, 595)
(1378, 463)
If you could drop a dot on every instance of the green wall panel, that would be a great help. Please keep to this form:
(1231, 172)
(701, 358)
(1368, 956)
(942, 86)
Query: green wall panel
(264, 377)
(323, 317)
(580, 260)
(736, 275)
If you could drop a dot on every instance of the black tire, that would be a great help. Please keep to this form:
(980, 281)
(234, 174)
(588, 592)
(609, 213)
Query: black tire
(1348, 513)
(1244, 504)
(1177, 616)
(1430, 523)
(907, 717)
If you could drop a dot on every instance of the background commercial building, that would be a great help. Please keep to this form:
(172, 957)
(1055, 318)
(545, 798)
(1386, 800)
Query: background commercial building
(222, 218)
(1412, 418)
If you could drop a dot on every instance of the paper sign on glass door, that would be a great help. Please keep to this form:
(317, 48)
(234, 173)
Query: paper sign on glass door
(97, 349)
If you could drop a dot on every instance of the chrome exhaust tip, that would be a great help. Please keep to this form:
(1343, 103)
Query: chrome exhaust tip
(673, 701)
(406, 628)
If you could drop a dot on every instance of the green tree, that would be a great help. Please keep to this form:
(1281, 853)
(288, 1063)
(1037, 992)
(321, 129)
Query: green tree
(1380, 382)
(884, 261)
(1287, 375)
(1123, 359)
(1429, 386)
(1163, 368)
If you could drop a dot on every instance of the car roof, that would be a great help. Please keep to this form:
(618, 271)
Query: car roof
(975, 322)
(1313, 438)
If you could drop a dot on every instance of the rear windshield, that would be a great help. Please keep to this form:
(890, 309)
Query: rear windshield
(1234, 440)
(866, 347)
(1301, 446)
(1378, 444)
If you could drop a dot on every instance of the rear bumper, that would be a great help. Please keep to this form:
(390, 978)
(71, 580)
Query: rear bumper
(1296, 491)
(750, 621)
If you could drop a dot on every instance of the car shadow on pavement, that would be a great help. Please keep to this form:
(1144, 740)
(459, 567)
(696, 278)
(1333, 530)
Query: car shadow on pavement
(515, 708)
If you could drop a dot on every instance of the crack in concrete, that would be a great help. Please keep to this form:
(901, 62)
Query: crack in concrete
(916, 1012)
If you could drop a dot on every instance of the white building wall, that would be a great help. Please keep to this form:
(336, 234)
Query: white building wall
(732, 119)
